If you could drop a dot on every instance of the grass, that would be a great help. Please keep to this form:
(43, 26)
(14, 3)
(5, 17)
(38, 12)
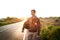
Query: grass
(52, 33)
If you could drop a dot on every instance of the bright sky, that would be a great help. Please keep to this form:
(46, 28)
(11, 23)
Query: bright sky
(21, 8)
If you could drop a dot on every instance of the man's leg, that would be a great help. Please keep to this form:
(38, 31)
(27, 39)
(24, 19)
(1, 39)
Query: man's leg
(34, 36)
(30, 36)
(26, 33)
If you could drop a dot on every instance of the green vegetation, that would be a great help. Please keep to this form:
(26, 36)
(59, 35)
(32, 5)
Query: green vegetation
(50, 28)
(52, 33)
(9, 20)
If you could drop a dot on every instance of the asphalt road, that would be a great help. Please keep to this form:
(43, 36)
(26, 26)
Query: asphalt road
(11, 31)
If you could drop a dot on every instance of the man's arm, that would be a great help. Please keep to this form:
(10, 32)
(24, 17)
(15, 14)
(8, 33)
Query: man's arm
(39, 26)
(23, 29)
(25, 25)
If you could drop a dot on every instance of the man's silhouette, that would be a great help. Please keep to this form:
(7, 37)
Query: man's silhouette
(33, 27)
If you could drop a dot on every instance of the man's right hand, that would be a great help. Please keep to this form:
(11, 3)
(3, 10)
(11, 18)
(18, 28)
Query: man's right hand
(22, 30)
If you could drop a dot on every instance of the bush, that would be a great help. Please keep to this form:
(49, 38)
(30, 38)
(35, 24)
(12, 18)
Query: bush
(3, 23)
(53, 34)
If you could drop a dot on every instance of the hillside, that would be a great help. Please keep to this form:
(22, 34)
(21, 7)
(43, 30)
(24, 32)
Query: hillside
(9, 20)
(50, 21)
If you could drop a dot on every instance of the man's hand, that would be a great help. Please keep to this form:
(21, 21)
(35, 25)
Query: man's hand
(38, 35)
(22, 30)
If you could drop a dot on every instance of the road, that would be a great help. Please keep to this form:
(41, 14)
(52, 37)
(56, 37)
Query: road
(11, 31)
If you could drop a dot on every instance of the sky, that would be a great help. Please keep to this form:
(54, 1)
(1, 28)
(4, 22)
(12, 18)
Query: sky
(22, 8)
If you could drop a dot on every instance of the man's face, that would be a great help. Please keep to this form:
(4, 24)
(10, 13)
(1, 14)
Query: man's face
(32, 13)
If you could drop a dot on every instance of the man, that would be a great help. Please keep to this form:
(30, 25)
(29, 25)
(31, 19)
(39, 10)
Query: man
(33, 27)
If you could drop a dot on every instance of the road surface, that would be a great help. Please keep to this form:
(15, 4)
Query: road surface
(11, 31)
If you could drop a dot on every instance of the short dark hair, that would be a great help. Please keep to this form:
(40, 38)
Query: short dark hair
(34, 10)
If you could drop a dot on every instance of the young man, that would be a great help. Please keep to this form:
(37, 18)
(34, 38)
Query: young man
(33, 27)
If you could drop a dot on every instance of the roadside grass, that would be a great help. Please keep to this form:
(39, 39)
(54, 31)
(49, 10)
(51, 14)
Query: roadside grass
(51, 33)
